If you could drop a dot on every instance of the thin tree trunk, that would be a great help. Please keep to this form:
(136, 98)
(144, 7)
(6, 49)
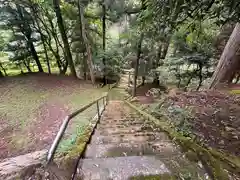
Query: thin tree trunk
(27, 66)
(104, 41)
(47, 58)
(35, 56)
(174, 51)
(56, 55)
(27, 31)
(1, 74)
(4, 70)
(229, 61)
(165, 48)
(139, 50)
(49, 44)
(35, 14)
(200, 76)
(85, 66)
(22, 72)
(64, 37)
(65, 68)
(143, 80)
(159, 55)
(86, 42)
(45, 48)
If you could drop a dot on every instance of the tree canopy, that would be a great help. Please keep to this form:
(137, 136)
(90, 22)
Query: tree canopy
(102, 37)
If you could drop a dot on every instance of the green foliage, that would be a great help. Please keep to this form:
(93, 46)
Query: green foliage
(114, 61)
(181, 119)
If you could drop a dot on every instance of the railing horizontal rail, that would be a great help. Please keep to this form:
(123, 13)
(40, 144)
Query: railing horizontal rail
(86, 107)
(66, 121)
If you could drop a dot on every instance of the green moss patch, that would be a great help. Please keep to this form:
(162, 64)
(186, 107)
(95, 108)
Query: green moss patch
(154, 177)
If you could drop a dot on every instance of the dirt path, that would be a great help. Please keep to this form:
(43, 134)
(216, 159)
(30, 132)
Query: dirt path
(125, 146)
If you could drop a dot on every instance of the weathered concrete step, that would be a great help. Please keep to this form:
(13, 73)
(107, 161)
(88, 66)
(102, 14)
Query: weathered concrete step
(121, 120)
(121, 168)
(97, 138)
(116, 131)
(117, 124)
(114, 126)
(126, 132)
(163, 149)
(142, 126)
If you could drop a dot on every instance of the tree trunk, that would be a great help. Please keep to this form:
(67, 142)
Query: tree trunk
(85, 66)
(45, 48)
(56, 55)
(47, 58)
(65, 66)
(165, 48)
(139, 50)
(64, 37)
(51, 31)
(49, 44)
(229, 61)
(35, 56)
(104, 41)
(4, 70)
(27, 31)
(143, 80)
(159, 55)
(27, 66)
(1, 74)
(86, 42)
(35, 14)
(200, 76)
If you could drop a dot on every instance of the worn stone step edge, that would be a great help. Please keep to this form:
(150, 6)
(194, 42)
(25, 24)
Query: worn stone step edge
(118, 139)
(126, 133)
(121, 168)
(126, 149)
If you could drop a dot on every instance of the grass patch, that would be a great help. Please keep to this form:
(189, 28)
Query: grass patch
(29, 102)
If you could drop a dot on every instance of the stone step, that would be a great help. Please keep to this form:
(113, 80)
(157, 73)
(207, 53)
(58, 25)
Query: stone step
(124, 119)
(120, 168)
(97, 138)
(120, 126)
(163, 149)
(126, 132)
(120, 123)
(116, 131)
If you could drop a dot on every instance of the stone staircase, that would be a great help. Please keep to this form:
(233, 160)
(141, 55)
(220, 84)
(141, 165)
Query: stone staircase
(125, 146)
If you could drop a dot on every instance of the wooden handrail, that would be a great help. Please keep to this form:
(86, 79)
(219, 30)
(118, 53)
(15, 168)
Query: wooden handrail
(66, 121)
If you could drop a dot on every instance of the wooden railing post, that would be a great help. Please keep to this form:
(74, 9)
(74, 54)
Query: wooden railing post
(98, 111)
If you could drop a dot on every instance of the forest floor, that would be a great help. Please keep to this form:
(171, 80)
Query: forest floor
(212, 117)
(33, 107)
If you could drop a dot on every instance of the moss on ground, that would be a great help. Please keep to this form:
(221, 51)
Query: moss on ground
(154, 177)
(213, 161)
(235, 91)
